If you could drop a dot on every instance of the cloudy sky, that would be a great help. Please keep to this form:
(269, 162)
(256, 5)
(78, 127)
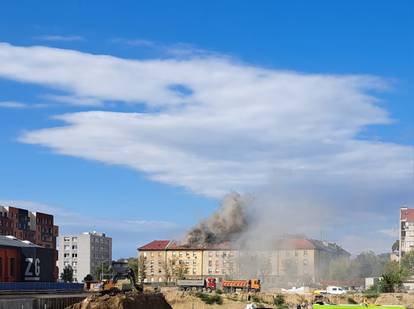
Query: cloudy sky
(136, 119)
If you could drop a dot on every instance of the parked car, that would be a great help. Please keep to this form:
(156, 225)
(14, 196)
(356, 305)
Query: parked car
(335, 290)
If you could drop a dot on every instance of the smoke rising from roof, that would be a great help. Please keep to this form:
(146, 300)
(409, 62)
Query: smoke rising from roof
(226, 224)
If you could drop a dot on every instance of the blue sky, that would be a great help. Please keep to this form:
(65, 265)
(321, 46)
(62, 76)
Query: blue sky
(321, 90)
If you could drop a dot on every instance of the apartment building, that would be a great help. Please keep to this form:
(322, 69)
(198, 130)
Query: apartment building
(85, 253)
(296, 257)
(406, 230)
(36, 227)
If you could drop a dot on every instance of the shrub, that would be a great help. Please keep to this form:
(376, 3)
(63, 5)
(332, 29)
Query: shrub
(352, 301)
(210, 299)
(280, 302)
(255, 299)
(219, 292)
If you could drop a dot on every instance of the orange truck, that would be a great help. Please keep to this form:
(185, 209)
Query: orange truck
(252, 285)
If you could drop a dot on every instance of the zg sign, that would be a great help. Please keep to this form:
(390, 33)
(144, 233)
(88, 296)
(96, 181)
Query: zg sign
(32, 271)
(37, 264)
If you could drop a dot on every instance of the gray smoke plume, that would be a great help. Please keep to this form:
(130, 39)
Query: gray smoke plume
(226, 224)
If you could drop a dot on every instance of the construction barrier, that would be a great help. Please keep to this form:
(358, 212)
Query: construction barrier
(41, 286)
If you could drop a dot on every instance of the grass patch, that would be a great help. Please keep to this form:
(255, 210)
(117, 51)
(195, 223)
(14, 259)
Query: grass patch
(279, 301)
(255, 299)
(210, 299)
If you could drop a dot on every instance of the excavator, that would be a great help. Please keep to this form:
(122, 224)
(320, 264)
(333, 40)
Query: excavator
(123, 280)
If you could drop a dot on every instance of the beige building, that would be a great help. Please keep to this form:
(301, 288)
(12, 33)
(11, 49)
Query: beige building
(290, 257)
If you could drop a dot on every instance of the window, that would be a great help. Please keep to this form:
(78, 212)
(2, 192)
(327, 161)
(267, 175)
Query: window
(66, 239)
(305, 262)
(296, 253)
(305, 252)
(1, 266)
(12, 264)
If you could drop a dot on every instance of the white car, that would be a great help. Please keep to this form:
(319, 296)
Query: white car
(335, 290)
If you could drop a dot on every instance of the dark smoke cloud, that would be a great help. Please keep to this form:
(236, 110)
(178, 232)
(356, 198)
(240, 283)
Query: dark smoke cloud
(226, 224)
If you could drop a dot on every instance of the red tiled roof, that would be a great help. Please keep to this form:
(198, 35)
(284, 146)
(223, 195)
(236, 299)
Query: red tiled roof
(178, 246)
(407, 214)
(155, 245)
(288, 243)
(295, 244)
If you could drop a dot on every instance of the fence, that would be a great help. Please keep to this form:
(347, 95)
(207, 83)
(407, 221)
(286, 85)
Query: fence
(41, 286)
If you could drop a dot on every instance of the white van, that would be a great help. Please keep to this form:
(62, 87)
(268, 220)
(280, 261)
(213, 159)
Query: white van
(335, 290)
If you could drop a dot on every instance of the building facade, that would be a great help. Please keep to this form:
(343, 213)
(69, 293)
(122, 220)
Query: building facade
(291, 257)
(35, 227)
(23, 261)
(85, 253)
(406, 231)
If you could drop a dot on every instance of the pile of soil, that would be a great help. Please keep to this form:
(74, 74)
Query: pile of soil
(130, 300)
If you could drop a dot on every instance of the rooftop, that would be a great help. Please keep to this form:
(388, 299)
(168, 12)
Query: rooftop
(289, 243)
(155, 245)
(407, 214)
(11, 241)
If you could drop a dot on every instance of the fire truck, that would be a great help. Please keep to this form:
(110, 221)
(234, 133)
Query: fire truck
(207, 284)
(252, 285)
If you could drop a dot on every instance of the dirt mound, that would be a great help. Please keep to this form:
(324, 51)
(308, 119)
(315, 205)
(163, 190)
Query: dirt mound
(124, 301)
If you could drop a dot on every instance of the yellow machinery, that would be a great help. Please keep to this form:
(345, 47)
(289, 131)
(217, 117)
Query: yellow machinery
(123, 280)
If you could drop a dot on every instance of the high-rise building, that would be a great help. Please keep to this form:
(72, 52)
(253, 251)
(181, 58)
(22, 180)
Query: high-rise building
(36, 227)
(85, 253)
(406, 230)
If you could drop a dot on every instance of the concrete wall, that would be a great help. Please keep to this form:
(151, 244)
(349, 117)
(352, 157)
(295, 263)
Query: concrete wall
(59, 302)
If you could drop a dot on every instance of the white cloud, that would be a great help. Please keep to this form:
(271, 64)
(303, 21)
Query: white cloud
(72, 100)
(391, 232)
(61, 38)
(13, 105)
(136, 42)
(177, 50)
(214, 125)
(20, 105)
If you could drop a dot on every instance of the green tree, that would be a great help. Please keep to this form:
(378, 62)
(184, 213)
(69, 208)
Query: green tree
(339, 269)
(67, 274)
(366, 264)
(168, 269)
(180, 270)
(142, 269)
(396, 246)
(87, 278)
(133, 264)
(392, 278)
(102, 271)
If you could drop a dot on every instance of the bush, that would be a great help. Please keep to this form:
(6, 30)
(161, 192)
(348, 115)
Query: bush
(352, 301)
(372, 292)
(255, 299)
(210, 299)
(280, 302)
(219, 292)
